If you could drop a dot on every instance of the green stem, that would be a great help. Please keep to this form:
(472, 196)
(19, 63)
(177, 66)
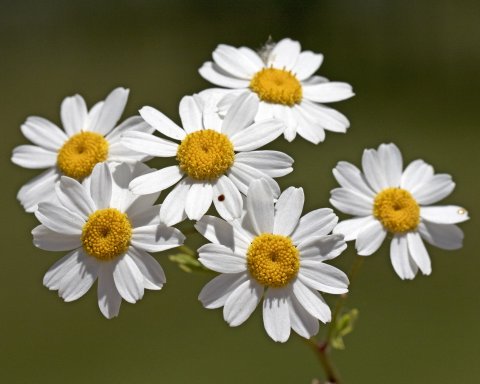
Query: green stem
(322, 349)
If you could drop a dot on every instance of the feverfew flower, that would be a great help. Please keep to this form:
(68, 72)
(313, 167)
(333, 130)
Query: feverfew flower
(281, 77)
(89, 137)
(386, 199)
(217, 159)
(273, 253)
(108, 232)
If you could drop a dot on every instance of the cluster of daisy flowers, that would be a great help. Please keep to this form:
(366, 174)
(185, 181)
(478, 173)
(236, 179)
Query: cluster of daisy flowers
(96, 199)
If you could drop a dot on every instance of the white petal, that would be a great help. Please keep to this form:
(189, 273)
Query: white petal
(190, 114)
(234, 62)
(58, 270)
(101, 185)
(307, 128)
(221, 259)
(162, 123)
(326, 117)
(111, 111)
(419, 253)
(315, 223)
(78, 280)
(217, 231)
(131, 124)
(242, 302)
(147, 143)
(59, 219)
(307, 64)
(272, 163)
(351, 202)
(40, 188)
(445, 236)
(311, 301)
(156, 238)
(213, 73)
(352, 227)
(156, 181)
(435, 189)
(446, 214)
(74, 197)
(109, 299)
(253, 57)
(122, 198)
(288, 210)
(276, 316)
(215, 293)
(260, 206)
(73, 113)
(199, 199)
(373, 170)
(370, 238)
(240, 114)
(257, 135)
(227, 198)
(392, 163)
(415, 175)
(350, 177)
(322, 247)
(43, 133)
(323, 277)
(242, 175)
(327, 92)
(301, 321)
(33, 157)
(172, 210)
(284, 55)
(151, 270)
(49, 240)
(148, 216)
(128, 279)
(117, 152)
(401, 261)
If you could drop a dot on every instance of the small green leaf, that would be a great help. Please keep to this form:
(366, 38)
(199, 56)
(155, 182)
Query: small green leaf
(187, 261)
(343, 326)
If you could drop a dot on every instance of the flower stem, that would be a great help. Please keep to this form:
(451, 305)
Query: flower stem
(322, 348)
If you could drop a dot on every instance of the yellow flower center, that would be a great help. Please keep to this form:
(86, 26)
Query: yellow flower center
(273, 260)
(81, 153)
(397, 210)
(106, 234)
(277, 86)
(205, 154)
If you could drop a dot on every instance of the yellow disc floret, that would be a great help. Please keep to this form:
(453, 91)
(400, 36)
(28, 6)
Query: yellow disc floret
(205, 154)
(81, 153)
(397, 210)
(106, 234)
(277, 86)
(273, 260)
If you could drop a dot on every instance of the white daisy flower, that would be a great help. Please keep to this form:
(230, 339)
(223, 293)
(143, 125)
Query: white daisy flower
(217, 159)
(386, 199)
(109, 232)
(273, 253)
(281, 77)
(89, 137)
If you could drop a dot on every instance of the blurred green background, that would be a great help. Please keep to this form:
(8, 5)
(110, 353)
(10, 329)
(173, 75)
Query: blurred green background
(414, 66)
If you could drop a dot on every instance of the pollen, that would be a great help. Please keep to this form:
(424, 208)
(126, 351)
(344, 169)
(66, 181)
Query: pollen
(205, 154)
(81, 153)
(273, 260)
(397, 210)
(277, 86)
(106, 234)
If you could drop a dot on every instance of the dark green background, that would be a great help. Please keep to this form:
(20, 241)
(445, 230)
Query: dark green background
(414, 66)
